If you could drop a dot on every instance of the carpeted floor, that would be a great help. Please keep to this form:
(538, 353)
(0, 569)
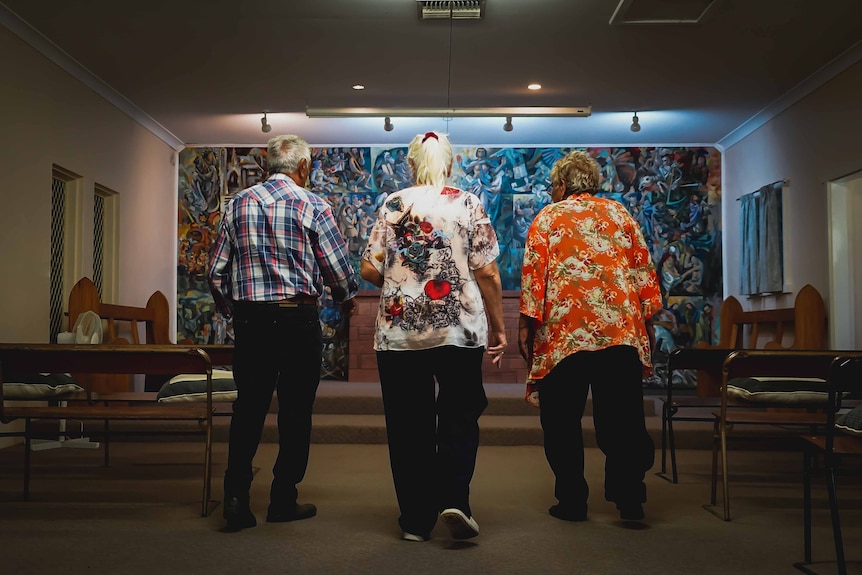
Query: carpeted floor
(141, 516)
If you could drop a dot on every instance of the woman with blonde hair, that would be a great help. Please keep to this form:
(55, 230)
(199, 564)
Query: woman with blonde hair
(433, 251)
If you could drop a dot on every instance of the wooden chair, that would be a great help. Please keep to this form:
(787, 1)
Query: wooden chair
(798, 399)
(154, 317)
(845, 377)
(123, 324)
(738, 329)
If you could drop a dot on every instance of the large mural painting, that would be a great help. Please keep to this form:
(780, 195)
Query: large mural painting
(673, 192)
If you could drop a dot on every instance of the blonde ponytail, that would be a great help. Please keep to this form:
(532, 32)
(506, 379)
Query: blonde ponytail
(430, 156)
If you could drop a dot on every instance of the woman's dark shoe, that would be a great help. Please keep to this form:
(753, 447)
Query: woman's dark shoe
(238, 515)
(295, 513)
(631, 511)
(568, 513)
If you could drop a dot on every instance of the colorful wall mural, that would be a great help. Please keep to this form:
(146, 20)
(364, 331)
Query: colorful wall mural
(673, 192)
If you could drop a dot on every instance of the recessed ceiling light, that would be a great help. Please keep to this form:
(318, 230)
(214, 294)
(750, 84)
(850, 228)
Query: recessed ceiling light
(534, 87)
(358, 87)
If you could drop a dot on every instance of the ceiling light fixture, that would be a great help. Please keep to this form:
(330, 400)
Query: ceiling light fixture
(358, 87)
(636, 125)
(264, 125)
(508, 127)
(534, 86)
(524, 111)
(387, 124)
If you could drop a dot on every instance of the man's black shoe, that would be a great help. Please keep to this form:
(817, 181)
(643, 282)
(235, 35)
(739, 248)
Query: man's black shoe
(295, 513)
(238, 515)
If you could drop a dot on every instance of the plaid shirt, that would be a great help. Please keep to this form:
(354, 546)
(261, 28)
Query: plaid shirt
(277, 240)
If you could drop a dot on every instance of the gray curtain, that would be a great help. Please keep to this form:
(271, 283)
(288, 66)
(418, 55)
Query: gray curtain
(749, 245)
(762, 257)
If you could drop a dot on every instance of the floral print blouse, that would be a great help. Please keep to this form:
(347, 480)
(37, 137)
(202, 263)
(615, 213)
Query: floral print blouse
(425, 244)
(588, 280)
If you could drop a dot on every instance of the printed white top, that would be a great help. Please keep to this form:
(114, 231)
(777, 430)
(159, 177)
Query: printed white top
(425, 244)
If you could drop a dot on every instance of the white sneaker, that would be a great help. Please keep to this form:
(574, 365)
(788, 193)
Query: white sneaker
(410, 537)
(460, 526)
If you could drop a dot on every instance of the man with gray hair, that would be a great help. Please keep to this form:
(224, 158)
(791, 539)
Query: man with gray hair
(278, 248)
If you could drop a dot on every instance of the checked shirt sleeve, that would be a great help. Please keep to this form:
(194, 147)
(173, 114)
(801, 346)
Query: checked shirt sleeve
(219, 276)
(330, 250)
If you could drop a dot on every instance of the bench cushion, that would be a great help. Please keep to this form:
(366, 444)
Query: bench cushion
(193, 387)
(39, 385)
(851, 422)
(778, 390)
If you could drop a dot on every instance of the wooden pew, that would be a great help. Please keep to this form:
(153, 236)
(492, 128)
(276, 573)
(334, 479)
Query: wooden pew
(22, 358)
(124, 325)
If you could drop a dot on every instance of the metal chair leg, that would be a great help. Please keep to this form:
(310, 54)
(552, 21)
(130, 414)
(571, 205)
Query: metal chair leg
(714, 477)
(672, 446)
(27, 445)
(725, 481)
(836, 522)
(107, 442)
(664, 416)
(806, 506)
(207, 489)
(668, 445)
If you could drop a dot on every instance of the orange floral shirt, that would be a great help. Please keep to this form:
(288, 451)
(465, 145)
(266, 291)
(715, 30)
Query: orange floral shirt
(588, 280)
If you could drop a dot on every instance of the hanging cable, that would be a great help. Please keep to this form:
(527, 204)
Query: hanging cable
(449, 71)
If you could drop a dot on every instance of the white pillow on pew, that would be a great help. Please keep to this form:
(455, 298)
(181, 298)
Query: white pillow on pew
(40, 386)
(193, 387)
(778, 389)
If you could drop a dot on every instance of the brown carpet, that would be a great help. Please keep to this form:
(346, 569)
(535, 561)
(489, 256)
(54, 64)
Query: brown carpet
(141, 516)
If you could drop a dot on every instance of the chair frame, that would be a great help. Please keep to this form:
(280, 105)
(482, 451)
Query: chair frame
(779, 363)
(120, 359)
(739, 329)
(704, 359)
(845, 376)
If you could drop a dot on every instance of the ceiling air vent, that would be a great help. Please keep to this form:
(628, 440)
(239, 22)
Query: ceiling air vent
(451, 9)
(662, 12)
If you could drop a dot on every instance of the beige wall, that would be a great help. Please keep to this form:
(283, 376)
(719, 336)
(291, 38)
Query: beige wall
(48, 117)
(813, 142)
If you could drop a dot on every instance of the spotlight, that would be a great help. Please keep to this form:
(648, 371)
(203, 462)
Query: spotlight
(507, 127)
(387, 124)
(635, 127)
(264, 125)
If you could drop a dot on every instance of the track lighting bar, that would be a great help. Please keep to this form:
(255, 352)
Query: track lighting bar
(536, 111)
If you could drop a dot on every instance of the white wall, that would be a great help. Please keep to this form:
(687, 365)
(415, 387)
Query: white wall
(48, 117)
(813, 142)
(854, 193)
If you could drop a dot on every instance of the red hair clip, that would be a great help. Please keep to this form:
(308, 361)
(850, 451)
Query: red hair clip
(430, 135)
